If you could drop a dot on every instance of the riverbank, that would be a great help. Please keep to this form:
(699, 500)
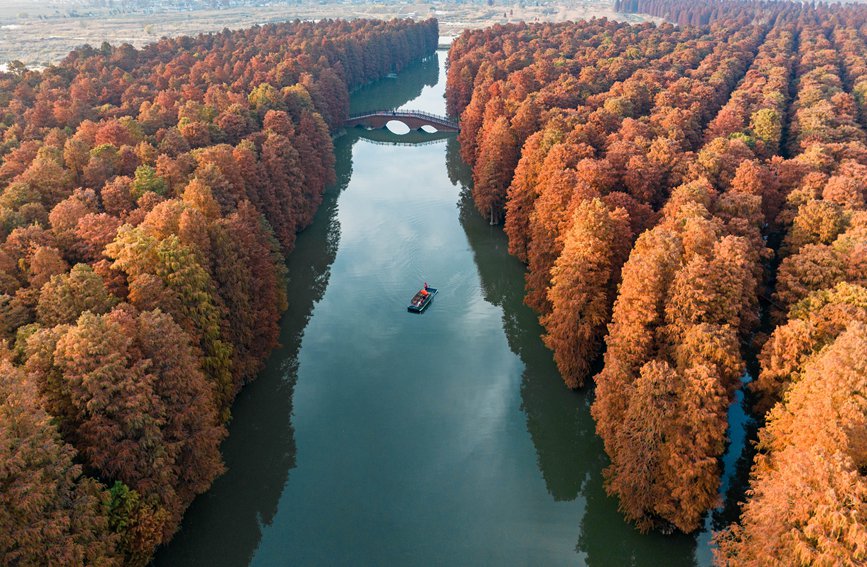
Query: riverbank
(375, 436)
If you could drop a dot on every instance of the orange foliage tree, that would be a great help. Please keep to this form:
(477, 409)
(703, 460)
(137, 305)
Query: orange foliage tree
(808, 492)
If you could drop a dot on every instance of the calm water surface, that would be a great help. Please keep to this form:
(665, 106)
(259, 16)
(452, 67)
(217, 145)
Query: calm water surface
(379, 437)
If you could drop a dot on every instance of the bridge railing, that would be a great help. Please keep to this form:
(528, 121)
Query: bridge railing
(405, 113)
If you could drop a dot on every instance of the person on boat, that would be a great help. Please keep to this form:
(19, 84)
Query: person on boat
(425, 285)
(424, 292)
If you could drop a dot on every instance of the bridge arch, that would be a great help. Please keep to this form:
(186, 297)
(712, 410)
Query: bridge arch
(414, 120)
(397, 127)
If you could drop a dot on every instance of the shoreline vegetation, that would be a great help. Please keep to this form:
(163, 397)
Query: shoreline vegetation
(147, 201)
(685, 196)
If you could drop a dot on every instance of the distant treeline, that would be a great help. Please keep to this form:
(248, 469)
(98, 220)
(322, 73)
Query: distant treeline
(671, 187)
(697, 13)
(147, 200)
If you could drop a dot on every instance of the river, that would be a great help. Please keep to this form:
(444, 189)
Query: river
(379, 437)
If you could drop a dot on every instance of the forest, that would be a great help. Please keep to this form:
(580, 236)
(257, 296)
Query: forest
(148, 199)
(689, 201)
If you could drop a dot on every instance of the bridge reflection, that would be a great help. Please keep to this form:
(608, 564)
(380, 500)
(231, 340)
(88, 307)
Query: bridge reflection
(386, 137)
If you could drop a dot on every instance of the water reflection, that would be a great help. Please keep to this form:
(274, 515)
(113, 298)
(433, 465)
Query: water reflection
(558, 420)
(606, 539)
(393, 93)
(412, 138)
(459, 173)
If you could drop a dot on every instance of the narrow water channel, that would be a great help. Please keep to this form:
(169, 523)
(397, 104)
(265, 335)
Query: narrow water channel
(379, 437)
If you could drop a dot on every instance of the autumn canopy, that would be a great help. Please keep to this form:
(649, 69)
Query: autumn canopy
(147, 200)
(689, 198)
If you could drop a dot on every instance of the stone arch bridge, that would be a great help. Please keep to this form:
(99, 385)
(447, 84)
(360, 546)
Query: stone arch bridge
(414, 119)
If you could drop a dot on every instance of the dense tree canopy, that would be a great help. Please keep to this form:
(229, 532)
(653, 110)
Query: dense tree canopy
(809, 492)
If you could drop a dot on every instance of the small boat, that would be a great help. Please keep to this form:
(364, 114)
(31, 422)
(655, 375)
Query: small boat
(422, 299)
